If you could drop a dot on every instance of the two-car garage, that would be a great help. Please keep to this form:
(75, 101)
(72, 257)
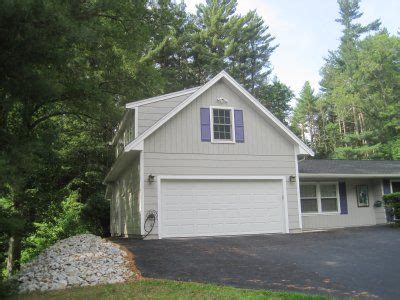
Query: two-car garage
(208, 206)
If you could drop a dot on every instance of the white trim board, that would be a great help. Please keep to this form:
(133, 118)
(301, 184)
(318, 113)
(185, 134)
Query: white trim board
(220, 177)
(160, 98)
(141, 192)
(296, 161)
(303, 148)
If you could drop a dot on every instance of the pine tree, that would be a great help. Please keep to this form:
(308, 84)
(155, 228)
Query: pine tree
(338, 78)
(305, 114)
(249, 52)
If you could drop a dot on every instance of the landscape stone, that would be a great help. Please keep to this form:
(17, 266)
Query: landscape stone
(80, 260)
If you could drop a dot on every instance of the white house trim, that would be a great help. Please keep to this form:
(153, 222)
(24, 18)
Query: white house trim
(220, 177)
(136, 122)
(329, 175)
(304, 149)
(296, 161)
(141, 191)
(160, 98)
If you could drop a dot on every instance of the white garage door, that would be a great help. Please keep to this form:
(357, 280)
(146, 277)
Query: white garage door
(221, 207)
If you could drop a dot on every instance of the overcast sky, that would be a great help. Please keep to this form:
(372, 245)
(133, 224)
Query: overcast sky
(306, 29)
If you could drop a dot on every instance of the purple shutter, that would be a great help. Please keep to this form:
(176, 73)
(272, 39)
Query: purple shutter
(239, 126)
(205, 124)
(343, 198)
(386, 186)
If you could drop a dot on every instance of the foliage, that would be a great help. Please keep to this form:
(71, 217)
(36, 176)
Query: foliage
(393, 201)
(357, 114)
(276, 97)
(305, 114)
(8, 288)
(59, 223)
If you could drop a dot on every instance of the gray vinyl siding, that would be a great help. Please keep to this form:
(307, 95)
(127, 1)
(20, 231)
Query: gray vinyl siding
(124, 210)
(357, 216)
(176, 149)
(149, 114)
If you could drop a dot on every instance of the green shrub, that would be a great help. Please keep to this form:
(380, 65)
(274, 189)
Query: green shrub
(8, 287)
(393, 201)
(60, 224)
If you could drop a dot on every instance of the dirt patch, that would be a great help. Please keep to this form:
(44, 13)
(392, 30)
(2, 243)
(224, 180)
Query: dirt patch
(130, 261)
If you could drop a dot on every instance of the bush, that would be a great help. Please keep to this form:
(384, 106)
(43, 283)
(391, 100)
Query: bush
(8, 287)
(393, 201)
(60, 224)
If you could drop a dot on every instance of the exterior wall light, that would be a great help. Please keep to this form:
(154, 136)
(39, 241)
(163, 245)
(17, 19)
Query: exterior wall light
(151, 178)
(292, 178)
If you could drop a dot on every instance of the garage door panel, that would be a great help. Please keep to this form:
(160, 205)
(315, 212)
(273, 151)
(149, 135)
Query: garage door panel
(221, 207)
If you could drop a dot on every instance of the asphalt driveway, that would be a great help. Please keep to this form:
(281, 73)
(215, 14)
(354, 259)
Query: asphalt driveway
(344, 262)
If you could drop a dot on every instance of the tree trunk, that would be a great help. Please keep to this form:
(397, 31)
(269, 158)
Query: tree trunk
(356, 129)
(14, 254)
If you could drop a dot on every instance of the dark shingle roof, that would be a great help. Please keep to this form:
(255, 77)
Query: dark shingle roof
(337, 166)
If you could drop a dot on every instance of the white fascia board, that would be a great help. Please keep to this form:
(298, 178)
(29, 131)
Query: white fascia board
(303, 148)
(328, 175)
(161, 98)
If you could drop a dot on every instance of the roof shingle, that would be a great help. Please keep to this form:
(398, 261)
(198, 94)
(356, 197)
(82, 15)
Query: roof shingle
(337, 166)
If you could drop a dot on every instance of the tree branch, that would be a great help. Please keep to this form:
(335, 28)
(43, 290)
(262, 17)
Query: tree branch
(58, 113)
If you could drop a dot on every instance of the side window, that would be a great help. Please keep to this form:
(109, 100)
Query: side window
(319, 197)
(308, 196)
(329, 202)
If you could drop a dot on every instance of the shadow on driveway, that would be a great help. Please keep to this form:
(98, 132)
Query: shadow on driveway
(345, 262)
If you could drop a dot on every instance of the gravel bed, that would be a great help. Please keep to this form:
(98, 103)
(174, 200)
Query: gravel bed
(80, 260)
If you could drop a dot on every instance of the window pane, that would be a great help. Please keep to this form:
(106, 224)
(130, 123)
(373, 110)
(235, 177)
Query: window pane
(329, 204)
(309, 205)
(222, 124)
(308, 190)
(328, 190)
(396, 186)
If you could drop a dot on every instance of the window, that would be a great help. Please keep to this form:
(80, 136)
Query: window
(309, 202)
(362, 196)
(396, 186)
(319, 197)
(222, 125)
(329, 201)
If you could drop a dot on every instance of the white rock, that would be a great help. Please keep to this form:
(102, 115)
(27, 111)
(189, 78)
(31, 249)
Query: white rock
(77, 261)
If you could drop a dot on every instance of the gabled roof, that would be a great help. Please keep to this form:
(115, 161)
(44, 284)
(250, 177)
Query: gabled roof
(303, 148)
(349, 168)
(161, 97)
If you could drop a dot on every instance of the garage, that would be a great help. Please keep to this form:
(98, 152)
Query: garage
(209, 207)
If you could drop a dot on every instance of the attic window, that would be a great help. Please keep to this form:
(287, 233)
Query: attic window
(222, 125)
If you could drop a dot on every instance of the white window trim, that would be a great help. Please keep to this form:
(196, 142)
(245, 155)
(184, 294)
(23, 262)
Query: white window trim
(318, 196)
(391, 185)
(217, 141)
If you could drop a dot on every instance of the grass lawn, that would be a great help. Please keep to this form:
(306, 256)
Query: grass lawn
(164, 289)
